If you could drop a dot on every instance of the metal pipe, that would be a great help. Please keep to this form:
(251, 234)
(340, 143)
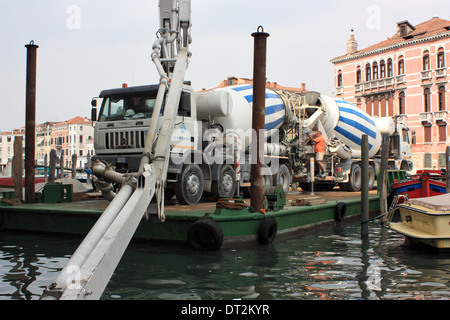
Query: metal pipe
(148, 148)
(30, 134)
(258, 119)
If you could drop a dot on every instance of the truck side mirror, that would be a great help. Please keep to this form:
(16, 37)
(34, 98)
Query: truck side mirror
(184, 108)
(413, 139)
(94, 110)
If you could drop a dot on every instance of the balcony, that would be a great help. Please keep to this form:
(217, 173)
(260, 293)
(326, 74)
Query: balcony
(441, 116)
(339, 90)
(441, 73)
(426, 75)
(426, 117)
(400, 79)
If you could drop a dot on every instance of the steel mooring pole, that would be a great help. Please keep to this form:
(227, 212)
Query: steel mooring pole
(259, 118)
(30, 123)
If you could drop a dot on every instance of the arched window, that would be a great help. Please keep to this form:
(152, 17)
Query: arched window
(441, 58)
(401, 103)
(368, 72)
(426, 60)
(389, 68)
(358, 75)
(401, 65)
(382, 69)
(427, 100)
(375, 70)
(442, 98)
(339, 79)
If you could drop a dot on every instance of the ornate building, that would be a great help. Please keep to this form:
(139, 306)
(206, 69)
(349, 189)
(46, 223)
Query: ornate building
(404, 76)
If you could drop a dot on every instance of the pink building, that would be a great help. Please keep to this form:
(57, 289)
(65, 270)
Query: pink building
(404, 76)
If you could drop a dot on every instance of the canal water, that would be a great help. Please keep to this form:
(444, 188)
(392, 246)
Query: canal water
(327, 263)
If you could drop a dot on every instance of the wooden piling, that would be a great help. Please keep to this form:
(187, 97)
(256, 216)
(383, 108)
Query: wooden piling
(365, 186)
(447, 160)
(52, 169)
(18, 168)
(382, 179)
(74, 166)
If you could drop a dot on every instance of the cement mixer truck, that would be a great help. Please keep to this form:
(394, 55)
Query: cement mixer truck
(212, 151)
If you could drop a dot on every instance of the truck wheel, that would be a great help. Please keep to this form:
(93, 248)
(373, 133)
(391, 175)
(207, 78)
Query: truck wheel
(189, 188)
(226, 186)
(283, 177)
(354, 180)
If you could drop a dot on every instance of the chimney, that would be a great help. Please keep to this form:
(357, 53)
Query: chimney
(352, 45)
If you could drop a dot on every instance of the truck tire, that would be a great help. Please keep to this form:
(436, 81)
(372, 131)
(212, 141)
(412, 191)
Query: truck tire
(283, 177)
(354, 180)
(189, 188)
(205, 234)
(225, 187)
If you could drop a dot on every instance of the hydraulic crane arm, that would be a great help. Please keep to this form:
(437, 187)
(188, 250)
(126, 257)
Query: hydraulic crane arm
(89, 270)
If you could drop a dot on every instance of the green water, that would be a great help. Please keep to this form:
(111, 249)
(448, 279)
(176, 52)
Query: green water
(328, 263)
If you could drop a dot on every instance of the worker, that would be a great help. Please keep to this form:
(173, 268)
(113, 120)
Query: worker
(319, 149)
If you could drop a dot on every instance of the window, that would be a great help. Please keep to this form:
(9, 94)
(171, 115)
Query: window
(368, 72)
(358, 75)
(441, 98)
(442, 160)
(389, 68)
(401, 65)
(442, 131)
(426, 61)
(401, 103)
(427, 133)
(441, 58)
(382, 69)
(427, 100)
(339, 80)
(428, 160)
(375, 71)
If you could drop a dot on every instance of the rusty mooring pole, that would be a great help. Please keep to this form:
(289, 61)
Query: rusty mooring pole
(259, 118)
(30, 123)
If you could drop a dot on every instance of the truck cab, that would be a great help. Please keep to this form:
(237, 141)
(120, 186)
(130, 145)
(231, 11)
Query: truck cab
(123, 122)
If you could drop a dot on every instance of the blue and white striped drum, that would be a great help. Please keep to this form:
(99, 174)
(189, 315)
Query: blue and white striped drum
(353, 124)
(241, 115)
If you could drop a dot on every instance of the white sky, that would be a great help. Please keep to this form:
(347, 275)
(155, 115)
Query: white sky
(89, 45)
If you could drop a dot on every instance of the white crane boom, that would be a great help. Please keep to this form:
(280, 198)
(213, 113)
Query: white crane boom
(89, 270)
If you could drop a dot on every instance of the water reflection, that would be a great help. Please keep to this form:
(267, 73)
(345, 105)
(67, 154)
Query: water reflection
(330, 263)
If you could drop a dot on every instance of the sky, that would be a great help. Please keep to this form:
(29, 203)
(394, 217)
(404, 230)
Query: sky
(86, 46)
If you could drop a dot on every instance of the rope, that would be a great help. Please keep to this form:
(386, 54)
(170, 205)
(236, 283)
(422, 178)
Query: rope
(231, 204)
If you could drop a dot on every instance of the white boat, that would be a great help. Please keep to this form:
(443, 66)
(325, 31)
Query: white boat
(426, 220)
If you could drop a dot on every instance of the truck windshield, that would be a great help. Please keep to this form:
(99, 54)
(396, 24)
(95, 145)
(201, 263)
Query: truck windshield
(127, 108)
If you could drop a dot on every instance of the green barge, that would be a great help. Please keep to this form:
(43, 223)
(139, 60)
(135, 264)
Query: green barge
(204, 226)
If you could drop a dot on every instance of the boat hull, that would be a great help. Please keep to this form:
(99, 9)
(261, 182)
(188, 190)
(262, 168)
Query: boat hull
(426, 221)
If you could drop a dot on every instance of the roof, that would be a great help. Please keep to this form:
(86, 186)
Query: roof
(426, 31)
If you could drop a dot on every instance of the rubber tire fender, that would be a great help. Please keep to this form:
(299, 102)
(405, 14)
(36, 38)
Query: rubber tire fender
(205, 234)
(340, 211)
(267, 231)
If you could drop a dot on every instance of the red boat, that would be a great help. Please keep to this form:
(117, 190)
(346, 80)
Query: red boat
(9, 182)
(425, 183)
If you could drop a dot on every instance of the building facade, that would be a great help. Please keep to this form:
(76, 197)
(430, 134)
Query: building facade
(71, 137)
(404, 76)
